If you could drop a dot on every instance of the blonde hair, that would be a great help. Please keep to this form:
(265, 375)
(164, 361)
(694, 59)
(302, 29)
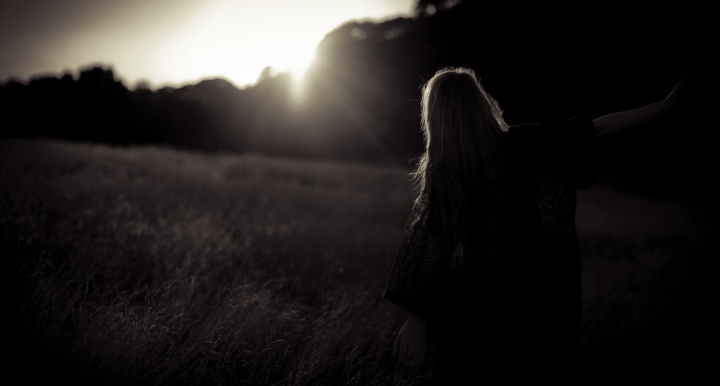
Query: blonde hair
(462, 172)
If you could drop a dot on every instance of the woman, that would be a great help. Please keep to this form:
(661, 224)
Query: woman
(488, 268)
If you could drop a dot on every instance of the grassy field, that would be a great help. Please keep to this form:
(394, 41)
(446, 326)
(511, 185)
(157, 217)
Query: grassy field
(151, 266)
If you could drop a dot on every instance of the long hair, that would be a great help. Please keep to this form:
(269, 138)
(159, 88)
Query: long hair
(463, 171)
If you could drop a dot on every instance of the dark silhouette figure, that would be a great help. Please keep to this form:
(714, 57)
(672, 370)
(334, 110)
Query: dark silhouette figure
(488, 268)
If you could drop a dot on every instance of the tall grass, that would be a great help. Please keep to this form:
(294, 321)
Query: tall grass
(154, 266)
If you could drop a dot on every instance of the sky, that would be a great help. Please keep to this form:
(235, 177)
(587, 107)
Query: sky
(173, 42)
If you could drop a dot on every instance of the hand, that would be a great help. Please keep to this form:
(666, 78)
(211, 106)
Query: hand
(410, 342)
(681, 91)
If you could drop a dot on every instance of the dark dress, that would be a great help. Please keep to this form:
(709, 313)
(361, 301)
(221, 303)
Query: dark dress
(507, 315)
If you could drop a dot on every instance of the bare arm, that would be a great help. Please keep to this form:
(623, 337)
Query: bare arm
(629, 119)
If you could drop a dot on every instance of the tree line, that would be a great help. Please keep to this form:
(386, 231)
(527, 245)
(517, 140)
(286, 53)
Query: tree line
(361, 97)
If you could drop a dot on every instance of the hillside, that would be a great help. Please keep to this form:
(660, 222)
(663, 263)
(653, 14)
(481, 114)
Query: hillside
(151, 266)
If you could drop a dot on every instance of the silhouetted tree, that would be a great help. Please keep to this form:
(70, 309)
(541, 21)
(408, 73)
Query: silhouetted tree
(431, 7)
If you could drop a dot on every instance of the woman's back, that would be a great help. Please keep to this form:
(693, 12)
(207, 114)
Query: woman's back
(488, 266)
(521, 300)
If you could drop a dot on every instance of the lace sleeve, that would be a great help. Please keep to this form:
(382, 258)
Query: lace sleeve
(421, 269)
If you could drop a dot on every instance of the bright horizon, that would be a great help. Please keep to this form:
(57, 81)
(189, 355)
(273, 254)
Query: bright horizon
(174, 42)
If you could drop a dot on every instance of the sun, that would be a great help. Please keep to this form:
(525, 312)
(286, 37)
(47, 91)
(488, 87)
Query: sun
(240, 42)
(294, 58)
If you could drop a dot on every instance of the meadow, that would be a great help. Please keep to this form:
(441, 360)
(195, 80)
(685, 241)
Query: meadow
(154, 266)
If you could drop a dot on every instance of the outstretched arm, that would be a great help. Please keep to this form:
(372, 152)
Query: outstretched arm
(629, 119)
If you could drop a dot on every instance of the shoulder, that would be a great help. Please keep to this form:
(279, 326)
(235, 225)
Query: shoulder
(572, 131)
(574, 123)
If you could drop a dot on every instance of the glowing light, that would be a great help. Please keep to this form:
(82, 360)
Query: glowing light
(296, 62)
(178, 42)
(216, 41)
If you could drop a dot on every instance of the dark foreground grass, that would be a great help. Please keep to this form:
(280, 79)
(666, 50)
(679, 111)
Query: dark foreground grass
(151, 266)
